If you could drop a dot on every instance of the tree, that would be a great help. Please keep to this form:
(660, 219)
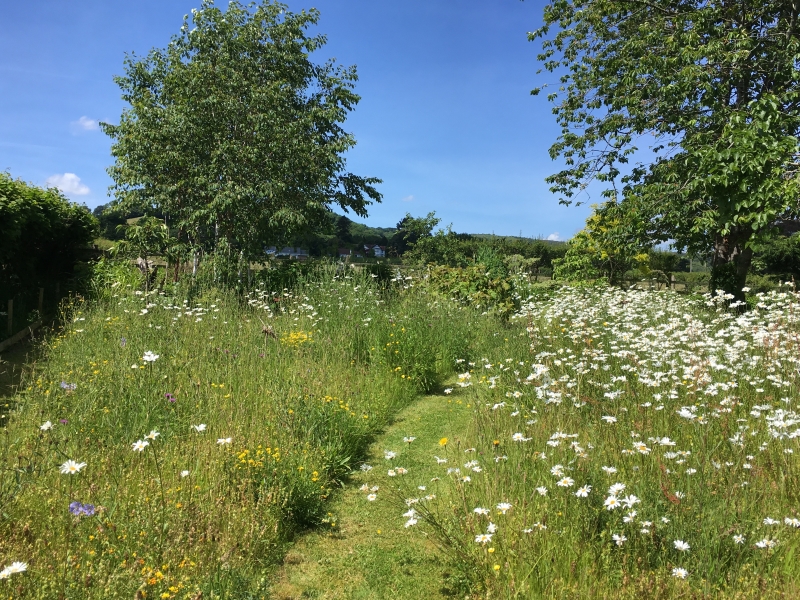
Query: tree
(234, 133)
(411, 229)
(712, 85)
(598, 250)
(343, 229)
(146, 237)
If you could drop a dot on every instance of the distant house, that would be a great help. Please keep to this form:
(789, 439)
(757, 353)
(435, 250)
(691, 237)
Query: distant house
(287, 252)
(345, 252)
(376, 251)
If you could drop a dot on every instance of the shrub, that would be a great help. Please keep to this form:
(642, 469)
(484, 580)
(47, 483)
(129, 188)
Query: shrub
(476, 285)
(42, 235)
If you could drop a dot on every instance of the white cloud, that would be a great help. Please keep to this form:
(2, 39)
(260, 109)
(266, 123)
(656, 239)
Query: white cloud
(554, 237)
(408, 199)
(84, 124)
(69, 183)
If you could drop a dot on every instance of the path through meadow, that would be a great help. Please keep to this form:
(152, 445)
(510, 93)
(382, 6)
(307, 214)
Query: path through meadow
(367, 552)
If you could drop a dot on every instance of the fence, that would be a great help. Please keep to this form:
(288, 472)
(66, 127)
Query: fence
(20, 314)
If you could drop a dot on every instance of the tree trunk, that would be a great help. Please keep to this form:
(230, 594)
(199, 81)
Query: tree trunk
(731, 263)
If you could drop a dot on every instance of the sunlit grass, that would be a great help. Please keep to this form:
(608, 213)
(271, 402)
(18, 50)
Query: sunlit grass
(630, 443)
(624, 443)
(212, 429)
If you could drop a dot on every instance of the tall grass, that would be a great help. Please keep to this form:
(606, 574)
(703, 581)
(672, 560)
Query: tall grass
(630, 444)
(212, 427)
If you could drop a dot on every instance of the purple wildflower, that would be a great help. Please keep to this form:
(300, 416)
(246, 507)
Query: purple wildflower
(123, 342)
(68, 386)
(78, 509)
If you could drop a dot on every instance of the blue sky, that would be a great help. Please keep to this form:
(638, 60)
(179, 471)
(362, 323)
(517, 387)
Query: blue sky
(446, 118)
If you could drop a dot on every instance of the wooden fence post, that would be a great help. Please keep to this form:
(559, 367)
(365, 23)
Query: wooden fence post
(10, 318)
(41, 301)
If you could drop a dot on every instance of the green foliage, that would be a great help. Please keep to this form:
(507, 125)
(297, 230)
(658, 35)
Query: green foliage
(713, 84)
(492, 261)
(110, 216)
(445, 247)
(327, 238)
(343, 229)
(42, 235)
(578, 263)
(599, 250)
(476, 285)
(693, 282)
(147, 237)
(381, 272)
(762, 284)
(519, 265)
(421, 245)
(233, 133)
(410, 230)
(666, 262)
(285, 275)
(724, 277)
(108, 275)
(780, 256)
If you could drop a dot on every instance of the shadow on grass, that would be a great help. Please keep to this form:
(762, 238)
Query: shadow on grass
(13, 363)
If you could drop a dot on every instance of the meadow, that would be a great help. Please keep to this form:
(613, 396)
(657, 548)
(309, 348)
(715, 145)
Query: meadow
(627, 444)
(621, 443)
(169, 444)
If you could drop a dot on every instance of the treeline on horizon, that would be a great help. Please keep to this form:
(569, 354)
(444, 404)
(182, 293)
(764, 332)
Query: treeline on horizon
(779, 258)
(341, 233)
(34, 224)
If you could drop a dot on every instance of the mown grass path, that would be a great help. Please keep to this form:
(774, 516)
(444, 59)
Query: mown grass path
(369, 553)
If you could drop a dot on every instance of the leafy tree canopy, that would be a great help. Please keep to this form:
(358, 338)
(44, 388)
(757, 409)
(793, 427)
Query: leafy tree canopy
(701, 97)
(234, 133)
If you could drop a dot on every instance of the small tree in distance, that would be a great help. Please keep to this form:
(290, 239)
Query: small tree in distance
(234, 134)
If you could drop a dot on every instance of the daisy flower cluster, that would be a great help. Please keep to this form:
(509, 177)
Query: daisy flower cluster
(656, 432)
